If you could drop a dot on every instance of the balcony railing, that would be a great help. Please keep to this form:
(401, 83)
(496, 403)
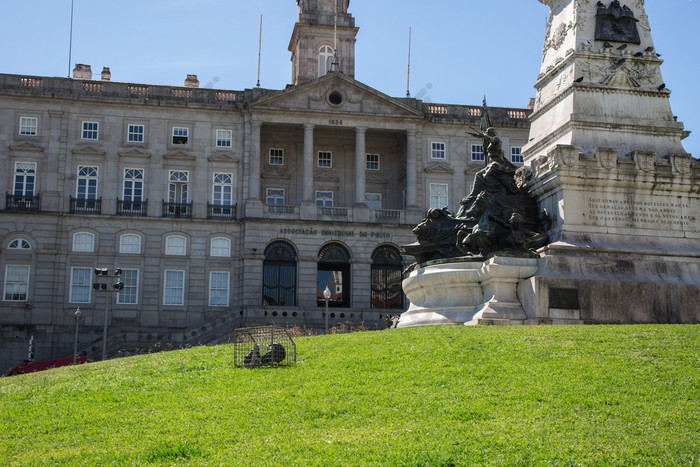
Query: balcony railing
(221, 212)
(333, 212)
(22, 203)
(387, 215)
(177, 210)
(132, 208)
(281, 209)
(85, 206)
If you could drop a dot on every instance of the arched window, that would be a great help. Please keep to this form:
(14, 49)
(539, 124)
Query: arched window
(84, 241)
(325, 59)
(386, 278)
(130, 243)
(175, 245)
(334, 273)
(220, 246)
(280, 275)
(19, 244)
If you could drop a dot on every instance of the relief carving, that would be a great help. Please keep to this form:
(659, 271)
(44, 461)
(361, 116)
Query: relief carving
(681, 163)
(616, 23)
(644, 160)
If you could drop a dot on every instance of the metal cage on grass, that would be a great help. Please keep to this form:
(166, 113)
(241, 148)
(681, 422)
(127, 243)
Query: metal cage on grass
(263, 346)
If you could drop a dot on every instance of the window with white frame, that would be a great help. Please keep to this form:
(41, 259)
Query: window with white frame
(222, 189)
(181, 135)
(19, 244)
(86, 186)
(220, 246)
(218, 288)
(275, 200)
(325, 60)
(224, 138)
(25, 178)
(80, 285)
(477, 152)
(28, 126)
(324, 199)
(129, 295)
(178, 188)
(325, 159)
(516, 155)
(16, 282)
(276, 156)
(130, 243)
(133, 185)
(438, 195)
(174, 287)
(84, 242)
(91, 130)
(372, 162)
(135, 133)
(175, 245)
(373, 200)
(437, 150)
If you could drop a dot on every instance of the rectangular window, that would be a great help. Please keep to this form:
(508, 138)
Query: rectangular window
(373, 200)
(130, 243)
(174, 288)
(84, 241)
(372, 162)
(86, 186)
(181, 135)
(218, 288)
(438, 195)
(135, 133)
(325, 159)
(222, 194)
(129, 295)
(437, 150)
(477, 152)
(275, 200)
(133, 185)
(224, 138)
(276, 156)
(516, 155)
(28, 126)
(25, 178)
(324, 199)
(91, 130)
(16, 282)
(80, 285)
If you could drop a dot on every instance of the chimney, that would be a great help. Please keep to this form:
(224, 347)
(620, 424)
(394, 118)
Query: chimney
(191, 81)
(82, 71)
(106, 74)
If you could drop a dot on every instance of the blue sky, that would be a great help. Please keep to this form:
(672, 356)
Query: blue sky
(461, 49)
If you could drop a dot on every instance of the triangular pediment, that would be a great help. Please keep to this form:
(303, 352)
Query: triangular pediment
(88, 150)
(26, 146)
(439, 167)
(326, 177)
(279, 174)
(338, 94)
(135, 152)
(223, 157)
(179, 155)
(374, 178)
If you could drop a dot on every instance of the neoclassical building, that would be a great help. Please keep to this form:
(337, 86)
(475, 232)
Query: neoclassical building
(220, 207)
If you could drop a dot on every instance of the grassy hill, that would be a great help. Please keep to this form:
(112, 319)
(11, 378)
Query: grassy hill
(624, 395)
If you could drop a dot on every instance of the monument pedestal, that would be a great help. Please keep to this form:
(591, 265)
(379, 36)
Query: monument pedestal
(459, 291)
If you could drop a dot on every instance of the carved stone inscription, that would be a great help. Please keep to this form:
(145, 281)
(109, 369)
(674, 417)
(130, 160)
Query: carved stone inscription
(645, 214)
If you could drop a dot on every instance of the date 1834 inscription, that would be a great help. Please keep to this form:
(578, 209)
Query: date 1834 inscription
(650, 214)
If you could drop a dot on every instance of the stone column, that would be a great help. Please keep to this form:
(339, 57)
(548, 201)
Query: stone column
(254, 174)
(411, 170)
(360, 165)
(308, 169)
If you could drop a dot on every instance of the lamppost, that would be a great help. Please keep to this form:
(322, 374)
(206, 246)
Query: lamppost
(326, 297)
(102, 287)
(78, 315)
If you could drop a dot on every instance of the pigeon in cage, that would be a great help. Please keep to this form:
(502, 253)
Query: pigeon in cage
(252, 358)
(275, 354)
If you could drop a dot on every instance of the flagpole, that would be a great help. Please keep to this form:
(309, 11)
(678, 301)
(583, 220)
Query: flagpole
(70, 42)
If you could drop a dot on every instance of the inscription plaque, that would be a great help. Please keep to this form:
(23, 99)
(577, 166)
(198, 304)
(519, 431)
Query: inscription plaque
(564, 299)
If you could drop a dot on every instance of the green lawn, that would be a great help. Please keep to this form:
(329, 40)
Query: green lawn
(439, 396)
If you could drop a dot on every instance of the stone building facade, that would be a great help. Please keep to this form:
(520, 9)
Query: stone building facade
(220, 207)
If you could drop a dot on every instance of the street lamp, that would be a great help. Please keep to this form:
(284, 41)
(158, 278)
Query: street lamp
(78, 315)
(102, 287)
(326, 297)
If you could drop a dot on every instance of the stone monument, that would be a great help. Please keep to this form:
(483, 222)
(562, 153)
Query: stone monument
(606, 224)
(605, 160)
